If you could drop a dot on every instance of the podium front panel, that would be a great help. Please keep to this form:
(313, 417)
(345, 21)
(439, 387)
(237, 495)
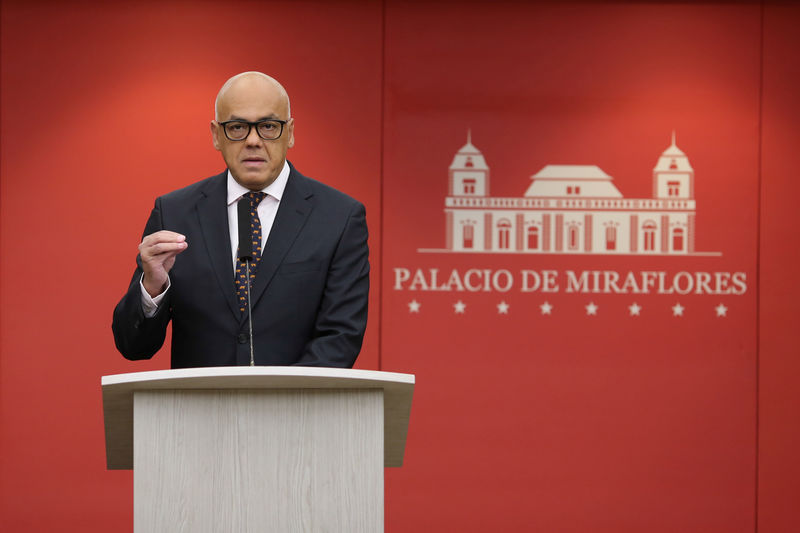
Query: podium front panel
(258, 460)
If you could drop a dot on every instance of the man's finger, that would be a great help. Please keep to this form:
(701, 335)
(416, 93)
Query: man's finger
(163, 236)
(161, 248)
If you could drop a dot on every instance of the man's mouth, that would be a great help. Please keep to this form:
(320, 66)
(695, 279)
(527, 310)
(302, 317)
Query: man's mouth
(254, 161)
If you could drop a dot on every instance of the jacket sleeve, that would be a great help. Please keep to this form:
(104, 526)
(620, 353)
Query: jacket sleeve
(136, 336)
(342, 316)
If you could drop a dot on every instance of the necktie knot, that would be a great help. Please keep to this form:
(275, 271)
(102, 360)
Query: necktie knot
(255, 198)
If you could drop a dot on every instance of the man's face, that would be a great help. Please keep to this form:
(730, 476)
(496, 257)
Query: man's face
(253, 162)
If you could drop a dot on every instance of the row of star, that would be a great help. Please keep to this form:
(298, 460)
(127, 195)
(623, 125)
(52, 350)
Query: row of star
(503, 308)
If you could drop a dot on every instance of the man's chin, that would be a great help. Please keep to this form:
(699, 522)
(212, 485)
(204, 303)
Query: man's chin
(253, 181)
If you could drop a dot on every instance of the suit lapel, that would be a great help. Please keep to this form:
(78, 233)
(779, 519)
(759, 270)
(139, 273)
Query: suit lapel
(292, 214)
(212, 214)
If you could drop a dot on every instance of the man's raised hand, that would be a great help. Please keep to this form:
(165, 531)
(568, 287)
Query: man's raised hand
(158, 251)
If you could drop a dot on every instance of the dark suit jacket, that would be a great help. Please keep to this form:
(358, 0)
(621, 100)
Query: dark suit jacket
(309, 298)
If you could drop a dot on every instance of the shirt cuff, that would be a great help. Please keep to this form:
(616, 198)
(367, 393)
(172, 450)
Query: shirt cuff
(150, 304)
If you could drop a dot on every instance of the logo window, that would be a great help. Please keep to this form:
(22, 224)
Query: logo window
(673, 188)
(469, 186)
(504, 234)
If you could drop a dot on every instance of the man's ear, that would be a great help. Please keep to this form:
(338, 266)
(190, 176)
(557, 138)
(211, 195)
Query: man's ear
(215, 133)
(290, 131)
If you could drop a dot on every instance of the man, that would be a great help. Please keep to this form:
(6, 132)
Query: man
(310, 283)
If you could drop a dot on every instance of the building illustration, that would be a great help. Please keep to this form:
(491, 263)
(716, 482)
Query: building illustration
(570, 209)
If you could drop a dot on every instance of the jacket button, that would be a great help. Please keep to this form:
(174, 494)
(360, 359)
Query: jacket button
(243, 338)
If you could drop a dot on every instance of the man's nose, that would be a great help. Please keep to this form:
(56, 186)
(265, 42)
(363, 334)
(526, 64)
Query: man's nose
(252, 138)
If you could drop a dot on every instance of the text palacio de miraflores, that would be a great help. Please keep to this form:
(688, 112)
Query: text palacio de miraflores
(570, 281)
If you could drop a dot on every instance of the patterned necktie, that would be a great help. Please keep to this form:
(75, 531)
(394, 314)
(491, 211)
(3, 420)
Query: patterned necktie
(241, 270)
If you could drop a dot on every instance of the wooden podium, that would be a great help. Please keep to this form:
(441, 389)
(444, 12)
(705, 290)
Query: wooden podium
(257, 449)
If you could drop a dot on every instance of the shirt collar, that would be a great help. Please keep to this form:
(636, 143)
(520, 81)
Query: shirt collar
(274, 189)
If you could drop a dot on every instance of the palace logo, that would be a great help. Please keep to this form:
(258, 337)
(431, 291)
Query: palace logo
(572, 209)
(569, 210)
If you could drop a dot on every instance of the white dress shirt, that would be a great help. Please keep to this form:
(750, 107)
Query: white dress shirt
(267, 209)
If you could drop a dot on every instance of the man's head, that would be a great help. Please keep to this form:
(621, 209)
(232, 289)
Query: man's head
(252, 97)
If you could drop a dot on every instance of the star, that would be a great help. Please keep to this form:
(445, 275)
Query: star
(546, 308)
(721, 310)
(677, 310)
(413, 306)
(634, 309)
(502, 308)
(459, 306)
(591, 309)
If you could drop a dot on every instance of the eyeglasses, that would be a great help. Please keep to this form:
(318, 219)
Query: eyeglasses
(238, 130)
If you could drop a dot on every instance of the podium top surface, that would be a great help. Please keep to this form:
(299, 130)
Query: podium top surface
(236, 377)
(118, 390)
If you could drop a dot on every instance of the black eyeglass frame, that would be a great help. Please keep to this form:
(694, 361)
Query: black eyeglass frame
(250, 126)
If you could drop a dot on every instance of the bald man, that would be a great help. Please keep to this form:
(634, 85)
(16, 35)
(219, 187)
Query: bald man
(311, 270)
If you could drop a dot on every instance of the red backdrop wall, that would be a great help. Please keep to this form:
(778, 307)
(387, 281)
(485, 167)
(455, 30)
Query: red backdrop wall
(779, 338)
(521, 421)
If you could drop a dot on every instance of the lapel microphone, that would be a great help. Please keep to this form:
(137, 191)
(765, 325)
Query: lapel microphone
(246, 255)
